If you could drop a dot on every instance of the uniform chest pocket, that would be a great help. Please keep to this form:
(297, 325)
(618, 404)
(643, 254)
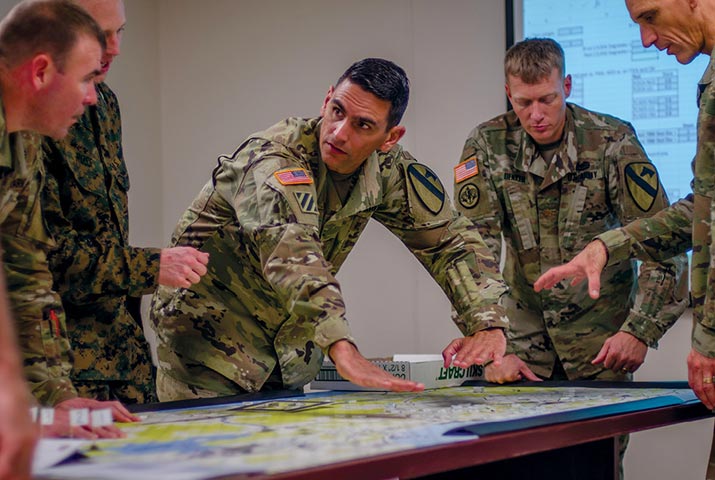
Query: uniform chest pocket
(87, 172)
(574, 212)
(520, 207)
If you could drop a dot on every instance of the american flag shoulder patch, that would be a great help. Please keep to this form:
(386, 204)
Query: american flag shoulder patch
(465, 170)
(293, 176)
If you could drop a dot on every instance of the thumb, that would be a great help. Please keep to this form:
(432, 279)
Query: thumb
(594, 284)
(601, 354)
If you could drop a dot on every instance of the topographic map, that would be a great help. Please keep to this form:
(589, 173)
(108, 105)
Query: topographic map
(323, 427)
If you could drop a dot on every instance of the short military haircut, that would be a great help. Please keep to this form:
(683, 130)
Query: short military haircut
(532, 60)
(45, 26)
(385, 80)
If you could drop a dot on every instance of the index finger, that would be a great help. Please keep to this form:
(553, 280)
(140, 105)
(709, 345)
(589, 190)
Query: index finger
(551, 278)
(121, 414)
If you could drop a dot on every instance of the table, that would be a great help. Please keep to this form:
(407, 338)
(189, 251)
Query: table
(408, 431)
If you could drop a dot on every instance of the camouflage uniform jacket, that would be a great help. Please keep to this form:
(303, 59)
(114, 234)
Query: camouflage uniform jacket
(94, 267)
(687, 223)
(36, 308)
(277, 233)
(599, 178)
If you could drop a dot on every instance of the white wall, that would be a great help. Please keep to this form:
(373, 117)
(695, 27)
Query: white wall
(196, 77)
(229, 68)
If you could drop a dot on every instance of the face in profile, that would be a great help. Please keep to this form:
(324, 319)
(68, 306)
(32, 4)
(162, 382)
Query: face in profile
(62, 99)
(111, 18)
(670, 26)
(541, 106)
(354, 126)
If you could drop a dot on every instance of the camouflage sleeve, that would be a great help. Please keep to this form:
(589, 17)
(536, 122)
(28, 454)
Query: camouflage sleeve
(703, 261)
(662, 236)
(703, 265)
(448, 245)
(292, 259)
(636, 192)
(36, 308)
(94, 264)
(474, 193)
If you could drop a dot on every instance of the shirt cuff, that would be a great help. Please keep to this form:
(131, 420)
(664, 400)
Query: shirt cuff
(618, 245)
(332, 330)
(643, 328)
(493, 316)
(704, 340)
(50, 393)
(144, 266)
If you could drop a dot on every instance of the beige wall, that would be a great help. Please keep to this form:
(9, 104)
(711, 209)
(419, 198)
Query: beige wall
(196, 77)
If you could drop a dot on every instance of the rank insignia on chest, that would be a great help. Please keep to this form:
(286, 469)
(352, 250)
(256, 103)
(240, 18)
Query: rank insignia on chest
(642, 184)
(293, 176)
(427, 187)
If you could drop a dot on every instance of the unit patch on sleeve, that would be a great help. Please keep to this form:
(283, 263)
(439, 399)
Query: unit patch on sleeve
(427, 187)
(306, 202)
(293, 176)
(469, 196)
(642, 184)
(465, 170)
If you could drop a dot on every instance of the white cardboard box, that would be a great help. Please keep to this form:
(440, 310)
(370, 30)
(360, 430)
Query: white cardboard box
(427, 369)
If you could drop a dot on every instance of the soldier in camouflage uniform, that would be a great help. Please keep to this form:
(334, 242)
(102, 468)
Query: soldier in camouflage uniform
(686, 30)
(549, 176)
(280, 216)
(94, 267)
(63, 37)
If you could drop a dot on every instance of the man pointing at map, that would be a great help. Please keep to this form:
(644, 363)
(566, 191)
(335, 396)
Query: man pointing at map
(280, 215)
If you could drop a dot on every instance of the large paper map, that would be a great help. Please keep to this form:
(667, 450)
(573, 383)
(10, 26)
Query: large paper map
(320, 428)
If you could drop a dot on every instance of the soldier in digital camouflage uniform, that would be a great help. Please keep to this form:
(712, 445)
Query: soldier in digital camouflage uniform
(279, 218)
(65, 37)
(686, 30)
(94, 267)
(550, 176)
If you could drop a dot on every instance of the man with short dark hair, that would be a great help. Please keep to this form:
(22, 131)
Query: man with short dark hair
(549, 176)
(280, 215)
(50, 53)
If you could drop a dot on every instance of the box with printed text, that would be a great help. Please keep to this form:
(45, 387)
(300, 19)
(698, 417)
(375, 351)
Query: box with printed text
(426, 369)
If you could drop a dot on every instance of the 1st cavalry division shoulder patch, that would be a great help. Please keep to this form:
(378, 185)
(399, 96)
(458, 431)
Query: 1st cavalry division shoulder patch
(427, 187)
(642, 183)
(293, 176)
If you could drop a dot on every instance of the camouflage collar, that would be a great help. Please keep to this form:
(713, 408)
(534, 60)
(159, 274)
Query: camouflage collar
(366, 193)
(565, 157)
(6, 150)
(707, 78)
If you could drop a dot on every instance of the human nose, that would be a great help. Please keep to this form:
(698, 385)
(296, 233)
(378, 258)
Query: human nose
(341, 130)
(113, 43)
(536, 112)
(90, 97)
(648, 36)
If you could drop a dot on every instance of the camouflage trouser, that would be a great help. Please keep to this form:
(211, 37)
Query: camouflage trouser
(126, 392)
(169, 388)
